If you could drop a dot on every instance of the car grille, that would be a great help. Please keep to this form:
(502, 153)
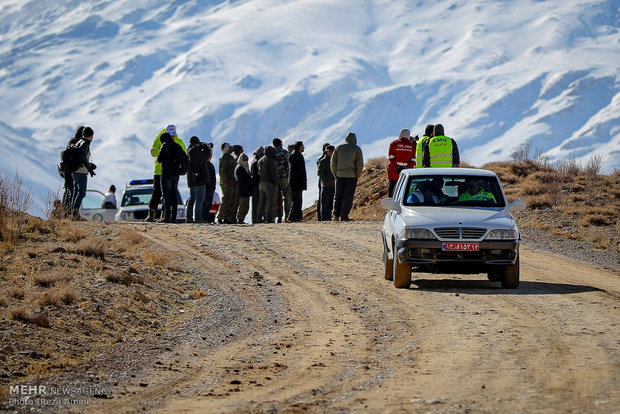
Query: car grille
(459, 233)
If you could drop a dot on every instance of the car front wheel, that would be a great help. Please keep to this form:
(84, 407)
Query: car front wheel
(401, 272)
(510, 279)
(388, 263)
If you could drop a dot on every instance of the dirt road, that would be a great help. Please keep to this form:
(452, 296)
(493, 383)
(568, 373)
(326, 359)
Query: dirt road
(322, 331)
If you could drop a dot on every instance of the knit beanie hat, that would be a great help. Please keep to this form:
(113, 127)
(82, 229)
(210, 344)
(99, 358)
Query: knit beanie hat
(439, 130)
(404, 133)
(429, 130)
(194, 140)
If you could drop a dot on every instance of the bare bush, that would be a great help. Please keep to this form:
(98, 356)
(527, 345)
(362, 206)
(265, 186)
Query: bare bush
(15, 200)
(593, 166)
(570, 167)
(521, 152)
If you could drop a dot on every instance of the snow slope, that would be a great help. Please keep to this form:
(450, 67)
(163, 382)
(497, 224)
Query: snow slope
(495, 73)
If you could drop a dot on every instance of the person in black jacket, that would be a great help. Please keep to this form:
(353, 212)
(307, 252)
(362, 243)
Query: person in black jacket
(210, 187)
(196, 179)
(244, 187)
(258, 154)
(297, 180)
(169, 159)
(67, 174)
(80, 176)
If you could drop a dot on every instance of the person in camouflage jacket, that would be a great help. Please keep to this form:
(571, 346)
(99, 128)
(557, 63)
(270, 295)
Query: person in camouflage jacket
(228, 209)
(283, 192)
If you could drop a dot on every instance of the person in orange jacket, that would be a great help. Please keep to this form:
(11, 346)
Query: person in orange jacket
(401, 155)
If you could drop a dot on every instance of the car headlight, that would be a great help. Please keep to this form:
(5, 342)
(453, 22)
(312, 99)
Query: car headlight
(413, 233)
(502, 234)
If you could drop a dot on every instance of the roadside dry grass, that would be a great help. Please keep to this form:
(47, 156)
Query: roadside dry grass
(69, 289)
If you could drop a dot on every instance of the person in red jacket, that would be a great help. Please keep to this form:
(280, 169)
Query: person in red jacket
(401, 155)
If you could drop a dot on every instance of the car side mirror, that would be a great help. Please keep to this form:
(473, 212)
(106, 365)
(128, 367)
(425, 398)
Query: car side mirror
(390, 204)
(516, 205)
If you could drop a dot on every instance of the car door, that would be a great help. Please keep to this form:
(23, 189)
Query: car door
(388, 225)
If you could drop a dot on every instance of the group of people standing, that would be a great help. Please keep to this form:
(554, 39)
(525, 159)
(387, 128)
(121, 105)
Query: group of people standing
(434, 150)
(272, 181)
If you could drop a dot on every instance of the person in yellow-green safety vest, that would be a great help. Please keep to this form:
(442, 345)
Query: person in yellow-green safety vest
(156, 196)
(475, 192)
(440, 150)
(419, 151)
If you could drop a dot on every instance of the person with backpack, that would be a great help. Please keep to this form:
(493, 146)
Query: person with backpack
(419, 151)
(198, 153)
(157, 144)
(80, 175)
(244, 187)
(268, 171)
(68, 164)
(170, 157)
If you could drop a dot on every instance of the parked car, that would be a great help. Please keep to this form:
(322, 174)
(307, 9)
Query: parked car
(450, 220)
(135, 202)
(92, 210)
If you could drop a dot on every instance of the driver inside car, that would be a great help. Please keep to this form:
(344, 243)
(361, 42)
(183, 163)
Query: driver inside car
(475, 192)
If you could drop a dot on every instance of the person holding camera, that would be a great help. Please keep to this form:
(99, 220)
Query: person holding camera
(401, 155)
(80, 176)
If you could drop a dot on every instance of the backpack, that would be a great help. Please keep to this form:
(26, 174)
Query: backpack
(70, 158)
(182, 160)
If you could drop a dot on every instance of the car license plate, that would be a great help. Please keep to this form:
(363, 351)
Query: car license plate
(460, 247)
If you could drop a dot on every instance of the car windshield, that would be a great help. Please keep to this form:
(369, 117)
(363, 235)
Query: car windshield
(140, 197)
(459, 190)
(136, 197)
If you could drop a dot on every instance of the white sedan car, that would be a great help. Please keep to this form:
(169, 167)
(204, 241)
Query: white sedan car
(450, 220)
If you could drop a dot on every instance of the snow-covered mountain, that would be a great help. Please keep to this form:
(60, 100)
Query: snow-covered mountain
(494, 73)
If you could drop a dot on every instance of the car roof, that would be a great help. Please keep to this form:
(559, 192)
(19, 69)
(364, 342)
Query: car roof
(449, 171)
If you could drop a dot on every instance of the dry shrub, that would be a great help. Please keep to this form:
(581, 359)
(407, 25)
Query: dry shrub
(595, 220)
(157, 258)
(46, 279)
(593, 166)
(69, 231)
(540, 201)
(379, 163)
(57, 297)
(14, 292)
(132, 237)
(90, 247)
(199, 293)
(19, 313)
(568, 168)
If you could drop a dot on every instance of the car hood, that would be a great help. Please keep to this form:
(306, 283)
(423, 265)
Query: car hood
(456, 216)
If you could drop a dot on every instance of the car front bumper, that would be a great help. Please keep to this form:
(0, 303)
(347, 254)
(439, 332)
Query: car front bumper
(430, 252)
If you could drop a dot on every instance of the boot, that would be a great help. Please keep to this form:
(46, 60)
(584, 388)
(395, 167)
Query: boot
(151, 216)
